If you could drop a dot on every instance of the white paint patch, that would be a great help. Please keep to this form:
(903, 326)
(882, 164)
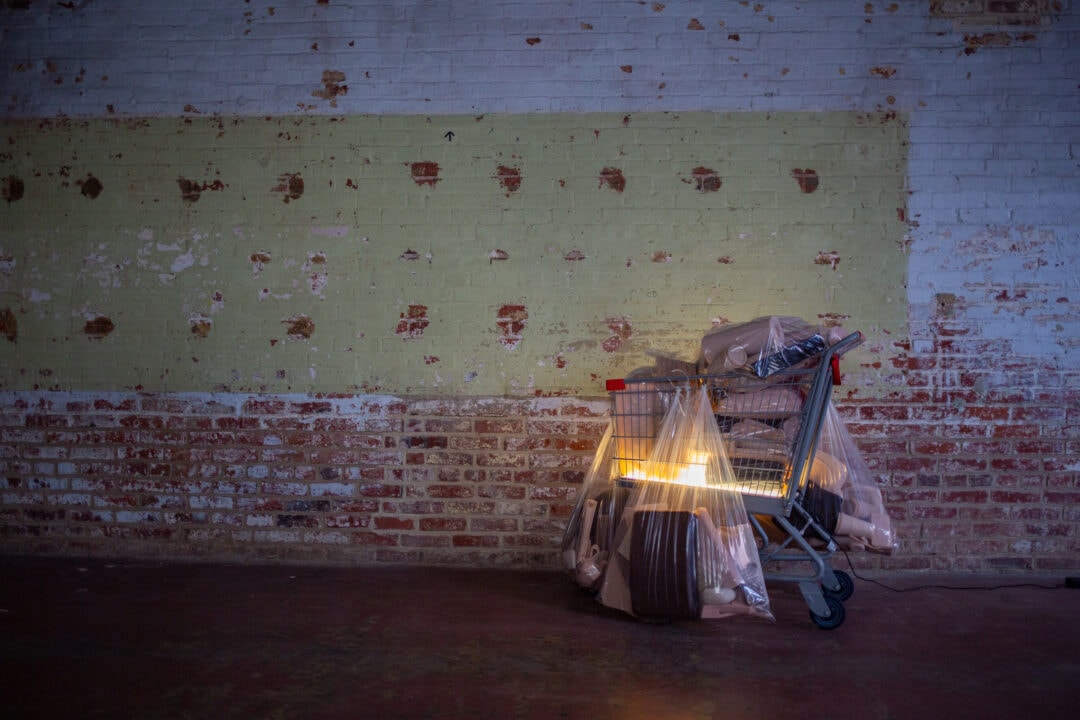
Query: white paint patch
(36, 296)
(183, 262)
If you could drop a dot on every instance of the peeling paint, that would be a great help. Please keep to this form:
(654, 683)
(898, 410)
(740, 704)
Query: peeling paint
(291, 185)
(11, 189)
(991, 39)
(333, 87)
(831, 320)
(511, 320)
(425, 173)
(707, 179)
(191, 190)
(509, 178)
(317, 281)
(299, 327)
(808, 179)
(98, 327)
(613, 178)
(9, 324)
(259, 260)
(621, 330)
(91, 187)
(183, 262)
(830, 258)
(945, 305)
(200, 325)
(412, 322)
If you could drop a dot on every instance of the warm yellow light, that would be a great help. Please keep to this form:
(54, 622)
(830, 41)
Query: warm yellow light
(691, 473)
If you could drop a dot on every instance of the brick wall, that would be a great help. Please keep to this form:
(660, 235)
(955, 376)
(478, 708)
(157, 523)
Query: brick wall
(966, 408)
(293, 477)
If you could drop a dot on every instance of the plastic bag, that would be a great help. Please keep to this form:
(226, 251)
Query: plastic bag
(589, 534)
(684, 547)
(842, 493)
(764, 345)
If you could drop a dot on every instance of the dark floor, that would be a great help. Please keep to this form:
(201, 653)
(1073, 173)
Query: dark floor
(112, 639)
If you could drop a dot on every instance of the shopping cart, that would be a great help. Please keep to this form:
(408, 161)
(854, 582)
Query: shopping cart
(770, 428)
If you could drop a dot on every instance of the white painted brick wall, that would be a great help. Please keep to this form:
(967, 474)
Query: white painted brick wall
(995, 132)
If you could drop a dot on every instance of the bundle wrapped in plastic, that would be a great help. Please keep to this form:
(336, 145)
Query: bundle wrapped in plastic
(590, 532)
(684, 547)
(764, 345)
(841, 493)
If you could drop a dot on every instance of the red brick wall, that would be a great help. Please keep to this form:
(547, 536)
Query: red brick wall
(337, 479)
(977, 456)
(977, 476)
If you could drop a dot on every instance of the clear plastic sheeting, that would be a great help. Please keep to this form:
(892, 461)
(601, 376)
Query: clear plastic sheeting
(683, 546)
(842, 493)
(718, 475)
(764, 345)
(589, 535)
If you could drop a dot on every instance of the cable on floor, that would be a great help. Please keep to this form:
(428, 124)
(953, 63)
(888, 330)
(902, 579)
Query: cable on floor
(1040, 586)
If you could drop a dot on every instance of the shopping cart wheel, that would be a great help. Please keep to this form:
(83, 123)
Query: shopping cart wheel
(847, 586)
(835, 617)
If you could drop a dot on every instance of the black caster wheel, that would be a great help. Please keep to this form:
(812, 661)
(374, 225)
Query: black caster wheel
(847, 586)
(835, 617)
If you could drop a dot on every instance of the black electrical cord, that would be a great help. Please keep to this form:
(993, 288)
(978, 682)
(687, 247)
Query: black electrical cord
(914, 588)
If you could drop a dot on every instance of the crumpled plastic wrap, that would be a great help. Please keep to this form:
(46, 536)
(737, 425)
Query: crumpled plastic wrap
(842, 493)
(683, 546)
(660, 529)
(589, 535)
(764, 345)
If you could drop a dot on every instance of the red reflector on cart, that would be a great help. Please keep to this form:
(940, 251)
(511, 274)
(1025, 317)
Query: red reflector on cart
(616, 384)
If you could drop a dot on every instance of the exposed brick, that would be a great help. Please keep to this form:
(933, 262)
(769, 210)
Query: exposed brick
(442, 524)
(393, 523)
(475, 541)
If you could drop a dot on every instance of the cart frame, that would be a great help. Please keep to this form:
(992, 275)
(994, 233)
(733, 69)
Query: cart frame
(772, 474)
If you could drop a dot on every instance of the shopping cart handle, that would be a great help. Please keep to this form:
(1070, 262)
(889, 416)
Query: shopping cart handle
(846, 343)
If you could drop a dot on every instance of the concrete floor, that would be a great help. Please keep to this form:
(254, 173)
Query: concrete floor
(114, 639)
